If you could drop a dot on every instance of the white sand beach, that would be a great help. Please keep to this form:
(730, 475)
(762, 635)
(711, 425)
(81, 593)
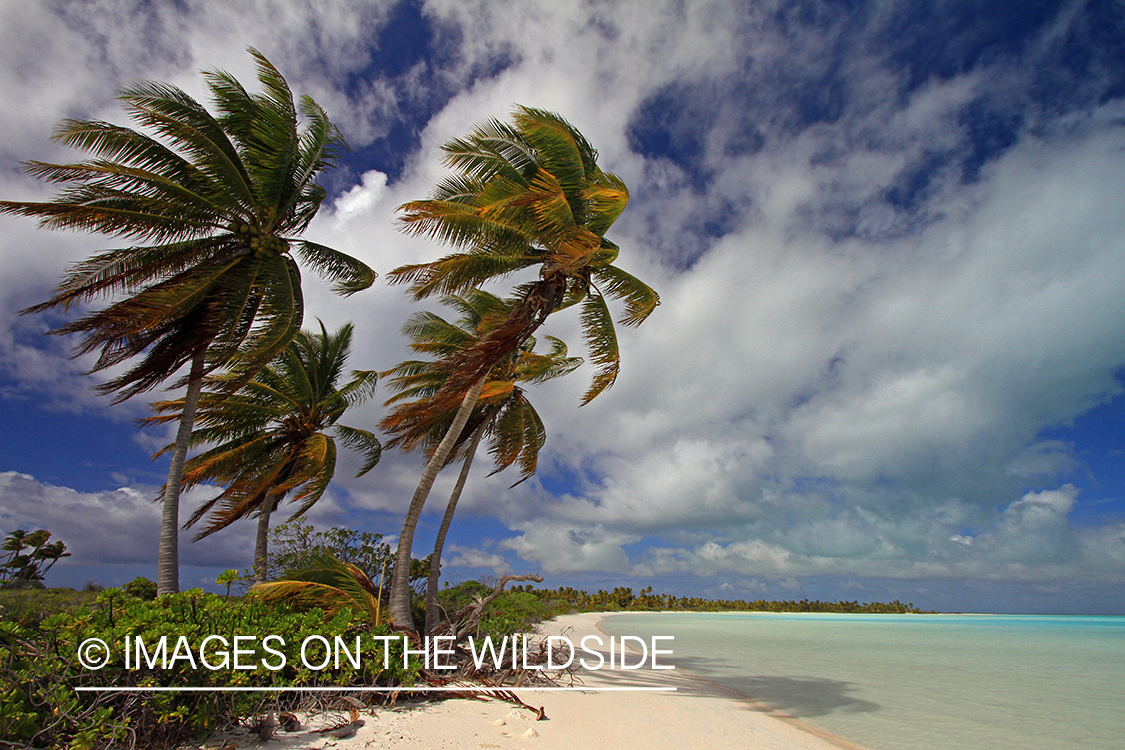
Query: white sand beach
(696, 714)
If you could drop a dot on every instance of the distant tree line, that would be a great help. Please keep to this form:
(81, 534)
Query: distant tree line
(623, 598)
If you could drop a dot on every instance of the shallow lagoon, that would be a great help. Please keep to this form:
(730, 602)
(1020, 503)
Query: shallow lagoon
(915, 682)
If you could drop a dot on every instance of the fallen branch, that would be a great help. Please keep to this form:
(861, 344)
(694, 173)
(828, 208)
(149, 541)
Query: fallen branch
(508, 696)
(466, 620)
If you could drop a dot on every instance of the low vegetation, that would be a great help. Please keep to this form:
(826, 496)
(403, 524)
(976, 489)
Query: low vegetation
(40, 670)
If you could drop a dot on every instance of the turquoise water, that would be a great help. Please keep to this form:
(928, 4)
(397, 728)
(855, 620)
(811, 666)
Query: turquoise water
(916, 682)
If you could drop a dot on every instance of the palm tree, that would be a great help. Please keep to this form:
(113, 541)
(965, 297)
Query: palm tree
(274, 436)
(524, 195)
(212, 206)
(27, 570)
(502, 412)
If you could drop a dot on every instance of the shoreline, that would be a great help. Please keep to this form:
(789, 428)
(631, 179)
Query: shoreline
(697, 713)
(741, 702)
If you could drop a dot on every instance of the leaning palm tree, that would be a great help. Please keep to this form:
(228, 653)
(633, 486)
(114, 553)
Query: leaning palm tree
(273, 438)
(212, 206)
(503, 413)
(525, 195)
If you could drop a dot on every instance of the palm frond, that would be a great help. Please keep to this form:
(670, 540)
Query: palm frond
(348, 274)
(517, 434)
(560, 148)
(362, 442)
(601, 340)
(459, 272)
(359, 388)
(606, 197)
(492, 148)
(539, 368)
(640, 299)
(315, 467)
(464, 225)
(327, 583)
(174, 115)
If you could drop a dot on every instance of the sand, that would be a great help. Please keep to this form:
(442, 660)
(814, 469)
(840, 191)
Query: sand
(697, 714)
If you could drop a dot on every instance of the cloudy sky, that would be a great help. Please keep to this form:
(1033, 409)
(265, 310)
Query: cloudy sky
(886, 363)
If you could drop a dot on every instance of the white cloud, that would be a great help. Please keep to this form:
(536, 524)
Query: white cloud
(782, 357)
(361, 198)
(113, 527)
(562, 547)
(468, 557)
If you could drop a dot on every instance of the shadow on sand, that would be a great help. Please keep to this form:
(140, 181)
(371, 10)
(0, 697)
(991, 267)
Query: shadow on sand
(800, 697)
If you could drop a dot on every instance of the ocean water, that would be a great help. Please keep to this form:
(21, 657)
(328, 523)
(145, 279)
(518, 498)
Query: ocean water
(915, 682)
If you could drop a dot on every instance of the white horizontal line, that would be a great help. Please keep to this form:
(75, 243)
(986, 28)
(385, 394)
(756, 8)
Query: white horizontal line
(343, 689)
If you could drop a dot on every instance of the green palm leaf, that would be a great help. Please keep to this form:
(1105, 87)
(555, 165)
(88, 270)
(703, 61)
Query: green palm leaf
(348, 274)
(601, 340)
(640, 299)
(362, 442)
(328, 584)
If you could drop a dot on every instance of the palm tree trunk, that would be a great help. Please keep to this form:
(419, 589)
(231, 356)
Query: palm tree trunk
(168, 557)
(432, 615)
(399, 604)
(261, 543)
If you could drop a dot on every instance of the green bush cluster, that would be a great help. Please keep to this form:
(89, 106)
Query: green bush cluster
(140, 587)
(39, 669)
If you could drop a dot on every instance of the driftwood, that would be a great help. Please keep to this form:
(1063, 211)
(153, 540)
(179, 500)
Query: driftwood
(465, 621)
(466, 681)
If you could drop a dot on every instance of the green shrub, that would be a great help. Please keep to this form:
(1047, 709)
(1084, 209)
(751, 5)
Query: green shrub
(140, 587)
(457, 596)
(296, 544)
(39, 668)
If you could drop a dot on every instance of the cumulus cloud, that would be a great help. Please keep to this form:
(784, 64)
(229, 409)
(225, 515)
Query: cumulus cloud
(118, 526)
(468, 557)
(121, 526)
(563, 547)
(361, 198)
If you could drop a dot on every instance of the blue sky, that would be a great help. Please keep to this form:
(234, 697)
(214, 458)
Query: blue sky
(887, 237)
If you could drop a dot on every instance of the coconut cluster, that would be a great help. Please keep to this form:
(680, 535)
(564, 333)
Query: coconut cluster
(262, 244)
